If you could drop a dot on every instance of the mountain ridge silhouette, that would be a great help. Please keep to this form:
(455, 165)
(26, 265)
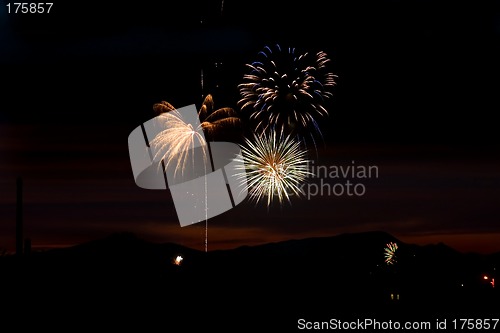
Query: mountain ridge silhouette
(269, 284)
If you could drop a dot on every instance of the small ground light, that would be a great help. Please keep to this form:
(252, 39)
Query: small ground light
(178, 260)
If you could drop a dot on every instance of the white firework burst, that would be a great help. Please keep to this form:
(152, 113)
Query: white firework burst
(275, 167)
(175, 142)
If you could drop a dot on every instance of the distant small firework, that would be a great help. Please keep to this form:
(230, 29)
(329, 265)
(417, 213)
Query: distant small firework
(275, 167)
(287, 89)
(178, 260)
(390, 253)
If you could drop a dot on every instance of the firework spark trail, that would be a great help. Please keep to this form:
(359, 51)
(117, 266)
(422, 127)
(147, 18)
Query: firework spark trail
(180, 136)
(284, 88)
(174, 144)
(274, 167)
(201, 83)
(390, 253)
(206, 211)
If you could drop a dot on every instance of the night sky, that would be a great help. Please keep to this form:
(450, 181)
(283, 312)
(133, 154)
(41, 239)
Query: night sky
(416, 96)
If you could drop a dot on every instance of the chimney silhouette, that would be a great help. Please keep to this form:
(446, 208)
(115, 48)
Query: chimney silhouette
(19, 217)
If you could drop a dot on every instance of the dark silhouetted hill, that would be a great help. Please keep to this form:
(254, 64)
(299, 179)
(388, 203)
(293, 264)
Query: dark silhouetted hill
(122, 279)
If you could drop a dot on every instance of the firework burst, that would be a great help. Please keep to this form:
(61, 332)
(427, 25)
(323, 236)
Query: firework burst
(218, 124)
(275, 167)
(177, 140)
(390, 253)
(286, 89)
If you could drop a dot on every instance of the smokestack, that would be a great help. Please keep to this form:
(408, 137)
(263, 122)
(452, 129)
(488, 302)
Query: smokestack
(19, 217)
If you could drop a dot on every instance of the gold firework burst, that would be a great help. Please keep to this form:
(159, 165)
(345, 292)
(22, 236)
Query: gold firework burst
(275, 167)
